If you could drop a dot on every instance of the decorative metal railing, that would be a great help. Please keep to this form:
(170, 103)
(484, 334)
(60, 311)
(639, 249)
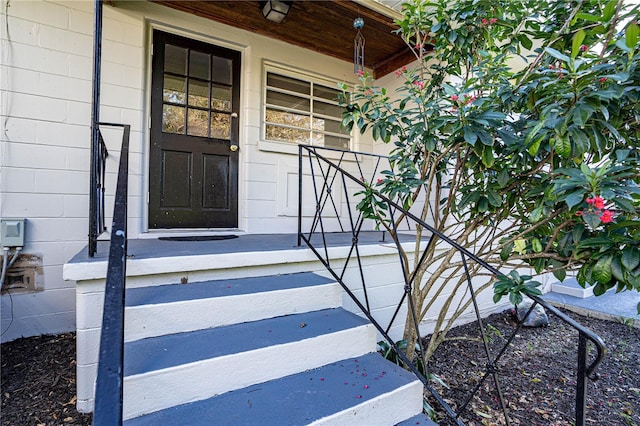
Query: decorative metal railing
(324, 177)
(96, 205)
(108, 396)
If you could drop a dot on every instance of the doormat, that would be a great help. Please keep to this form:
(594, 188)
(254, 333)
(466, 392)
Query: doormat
(199, 238)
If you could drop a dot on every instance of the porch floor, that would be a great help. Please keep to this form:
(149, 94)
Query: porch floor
(148, 248)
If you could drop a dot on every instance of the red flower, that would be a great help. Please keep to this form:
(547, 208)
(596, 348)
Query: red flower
(598, 202)
(484, 21)
(606, 216)
(379, 182)
(603, 79)
(419, 83)
(493, 20)
(455, 98)
(584, 48)
(579, 213)
(360, 73)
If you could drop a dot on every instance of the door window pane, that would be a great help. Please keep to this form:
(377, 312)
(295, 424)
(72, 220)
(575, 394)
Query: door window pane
(199, 65)
(174, 89)
(221, 98)
(221, 70)
(327, 109)
(198, 123)
(172, 119)
(198, 93)
(175, 59)
(220, 126)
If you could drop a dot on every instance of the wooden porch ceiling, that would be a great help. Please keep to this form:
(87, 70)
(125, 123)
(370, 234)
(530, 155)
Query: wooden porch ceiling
(323, 26)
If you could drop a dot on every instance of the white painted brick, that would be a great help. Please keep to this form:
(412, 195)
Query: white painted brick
(62, 134)
(112, 30)
(71, 248)
(261, 208)
(40, 59)
(59, 229)
(25, 326)
(132, 76)
(79, 67)
(39, 303)
(33, 156)
(261, 191)
(23, 31)
(81, 21)
(61, 182)
(77, 159)
(19, 130)
(85, 388)
(52, 254)
(63, 87)
(76, 205)
(133, 34)
(18, 180)
(37, 107)
(65, 41)
(31, 205)
(21, 81)
(120, 96)
(89, 310)
(122, 53)
(90, 339)
(78, 113)
(41, 12)
(91, 286)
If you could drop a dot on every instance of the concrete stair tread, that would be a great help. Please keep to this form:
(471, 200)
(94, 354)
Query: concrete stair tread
(221, 288)
(155, 353)
(297, 399)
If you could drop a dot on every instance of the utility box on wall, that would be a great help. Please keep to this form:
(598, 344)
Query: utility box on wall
(12, 232)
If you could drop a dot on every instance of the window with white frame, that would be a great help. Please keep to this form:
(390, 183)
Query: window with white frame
(300, 110)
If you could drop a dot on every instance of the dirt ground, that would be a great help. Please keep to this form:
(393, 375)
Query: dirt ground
(537, 375)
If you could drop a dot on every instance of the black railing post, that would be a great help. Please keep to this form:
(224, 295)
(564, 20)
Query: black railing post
(94, 232)
(581, 382)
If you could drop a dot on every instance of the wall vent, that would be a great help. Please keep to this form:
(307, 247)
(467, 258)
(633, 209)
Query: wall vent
(25, 275)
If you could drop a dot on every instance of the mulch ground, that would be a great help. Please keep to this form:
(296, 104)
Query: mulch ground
(537, 375)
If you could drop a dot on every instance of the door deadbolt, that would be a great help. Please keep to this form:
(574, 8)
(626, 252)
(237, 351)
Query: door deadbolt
(233, 148)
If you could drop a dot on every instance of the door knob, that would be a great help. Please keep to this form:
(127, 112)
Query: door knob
(233, 148)
(234, 115)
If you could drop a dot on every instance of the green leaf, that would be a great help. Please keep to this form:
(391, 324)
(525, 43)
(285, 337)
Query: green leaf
(578, 38)
(563, 145)
(559, 273)
(602, 269)
(487, 156)
(616, 269)
(503, 178)
(536, 245)
(470, 136)
(630, 258)
(631, 36)
(609, 10)
(574, 198)
(553, 52)
(506, 251)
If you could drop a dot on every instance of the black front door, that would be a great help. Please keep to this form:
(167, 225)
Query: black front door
(193, 169)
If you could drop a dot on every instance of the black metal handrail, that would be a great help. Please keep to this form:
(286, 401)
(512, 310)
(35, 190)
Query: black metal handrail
(108, 396)
(327, 177)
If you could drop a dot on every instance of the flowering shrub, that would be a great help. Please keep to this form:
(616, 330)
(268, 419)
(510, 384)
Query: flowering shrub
(534, 164)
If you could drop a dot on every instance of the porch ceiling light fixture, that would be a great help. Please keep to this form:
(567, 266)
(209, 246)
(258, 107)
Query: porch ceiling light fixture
(275, 10)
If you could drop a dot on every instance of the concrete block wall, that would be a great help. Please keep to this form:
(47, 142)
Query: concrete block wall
(45, 91)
